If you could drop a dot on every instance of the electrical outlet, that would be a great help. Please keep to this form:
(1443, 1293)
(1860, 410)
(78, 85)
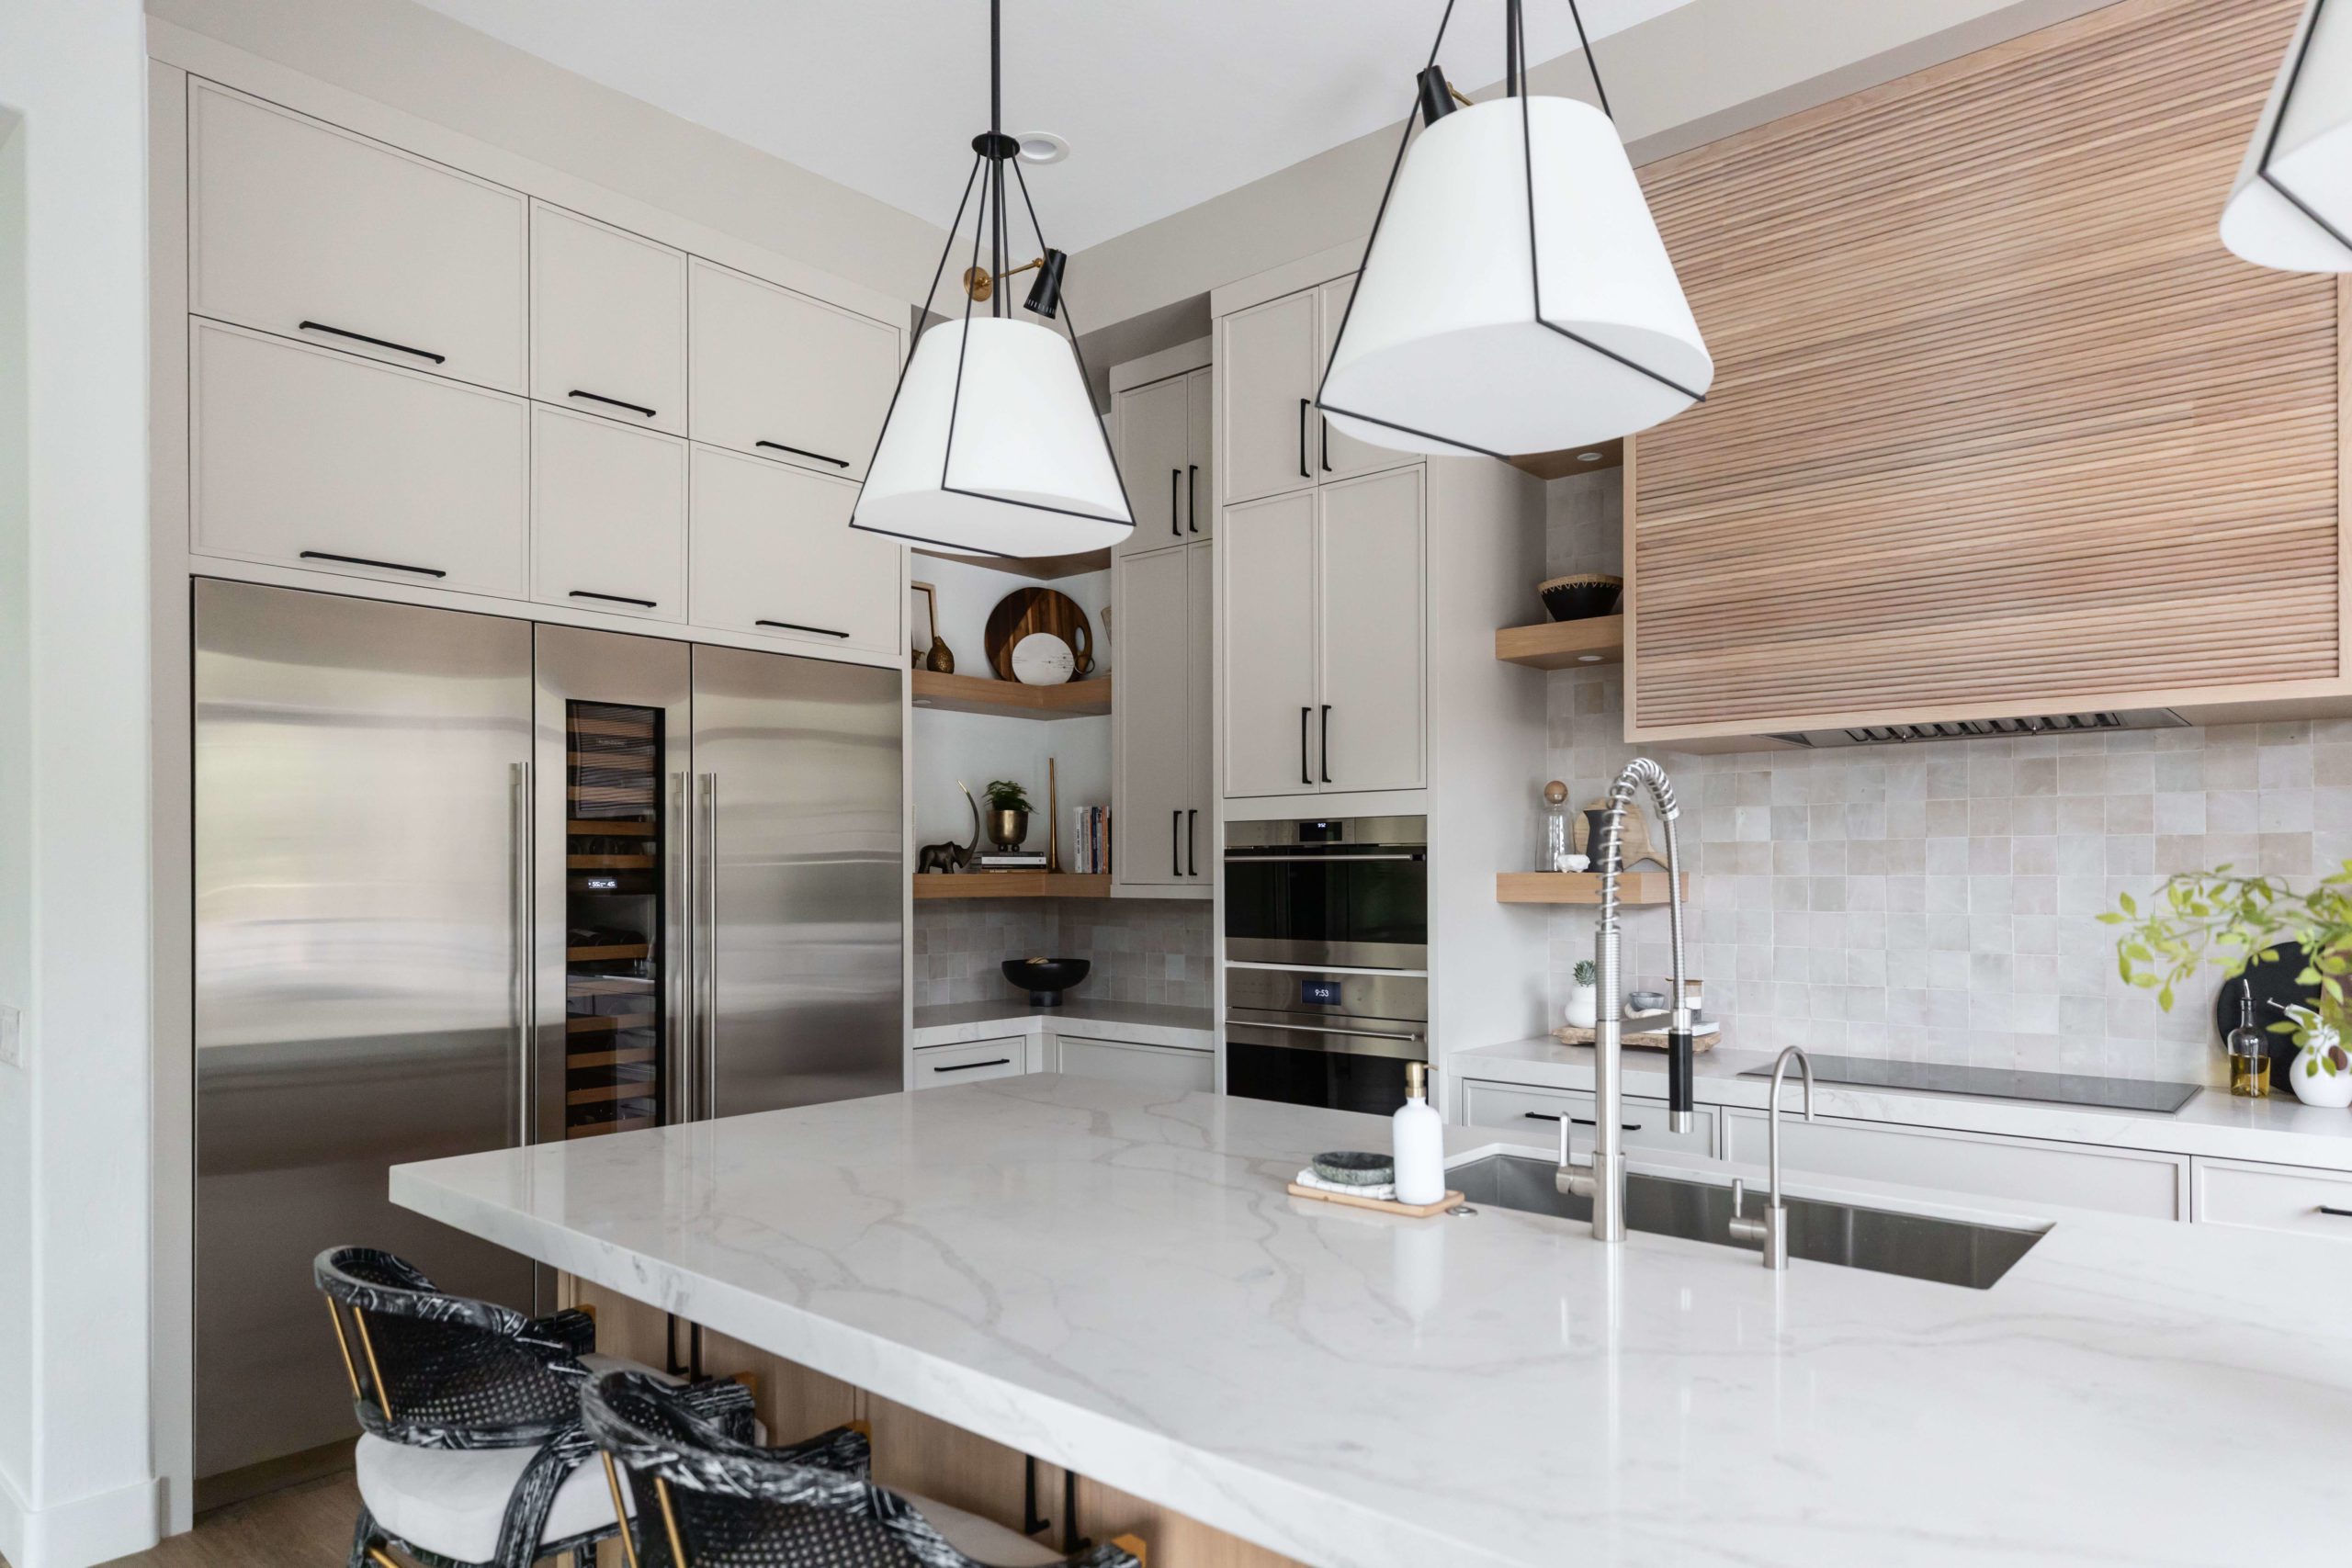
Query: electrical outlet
(12, 1036)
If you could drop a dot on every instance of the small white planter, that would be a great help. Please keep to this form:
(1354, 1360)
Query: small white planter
(2312, 1083)
(1584, 1004)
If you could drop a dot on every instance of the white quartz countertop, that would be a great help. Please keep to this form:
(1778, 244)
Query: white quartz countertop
(2277, 1128)
(1113, 1280)
(955, 1020)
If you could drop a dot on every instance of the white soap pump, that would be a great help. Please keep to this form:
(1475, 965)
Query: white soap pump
(1418, 1142)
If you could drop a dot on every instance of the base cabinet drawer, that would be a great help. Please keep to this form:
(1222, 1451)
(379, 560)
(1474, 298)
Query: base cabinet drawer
(1515, 1108)
(936, 1066)
(2121, 1181)
(308, 458)
(1159, 1066)
(2274, 1198)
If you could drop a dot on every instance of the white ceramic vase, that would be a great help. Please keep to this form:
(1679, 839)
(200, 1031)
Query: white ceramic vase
(2314, 1084)
(1584, 1003)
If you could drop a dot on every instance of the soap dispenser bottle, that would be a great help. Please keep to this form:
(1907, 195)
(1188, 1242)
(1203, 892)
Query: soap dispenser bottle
(1418, 1147)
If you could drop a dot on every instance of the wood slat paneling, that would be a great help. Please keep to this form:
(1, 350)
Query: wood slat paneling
(1996, 424)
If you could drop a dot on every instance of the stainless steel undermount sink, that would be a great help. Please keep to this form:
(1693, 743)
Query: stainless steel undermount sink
(1945, 1252)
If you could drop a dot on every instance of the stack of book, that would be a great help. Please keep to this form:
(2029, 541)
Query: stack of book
(1089, 841)
(1010, 860)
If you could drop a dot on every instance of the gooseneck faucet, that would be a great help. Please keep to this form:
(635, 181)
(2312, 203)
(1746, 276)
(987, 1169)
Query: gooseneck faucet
(1604, 1183)
(1772, 1230)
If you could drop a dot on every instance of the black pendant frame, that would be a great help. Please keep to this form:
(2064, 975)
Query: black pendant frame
(992, 151)
(2339, 229)
(1514, 85)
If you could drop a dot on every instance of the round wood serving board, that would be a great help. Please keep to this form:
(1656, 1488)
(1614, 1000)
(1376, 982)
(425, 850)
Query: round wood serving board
(1028, 610)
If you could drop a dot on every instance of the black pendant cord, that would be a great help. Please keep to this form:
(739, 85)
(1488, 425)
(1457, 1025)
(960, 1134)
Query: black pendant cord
(2278, 124)
(1515, 51)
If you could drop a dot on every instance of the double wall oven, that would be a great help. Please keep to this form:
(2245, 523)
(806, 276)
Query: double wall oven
(1327, 959)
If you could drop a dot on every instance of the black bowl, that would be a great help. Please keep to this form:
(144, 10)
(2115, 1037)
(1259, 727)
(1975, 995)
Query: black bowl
(1046, 978)
(1581, 597)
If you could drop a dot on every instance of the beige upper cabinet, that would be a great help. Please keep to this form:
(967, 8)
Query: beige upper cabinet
(1268, 358)
(608, 321)
(1200, 466)
(1372, 567)
(1343, 456)
(1162, 732)
(773, 554)
(1266, 558)
(299, 229)
(1154, 448)
(608, 516)
(784, 377)
(305, 457)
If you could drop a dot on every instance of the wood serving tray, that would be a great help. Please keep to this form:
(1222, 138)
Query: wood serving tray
(1385, 1205)
(1648, 1039)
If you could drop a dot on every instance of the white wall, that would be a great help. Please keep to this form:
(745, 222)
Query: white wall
(16, 832)
(76, 1482)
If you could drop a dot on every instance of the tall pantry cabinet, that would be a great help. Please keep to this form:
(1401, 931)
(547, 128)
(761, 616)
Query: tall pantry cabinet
(1163, 583)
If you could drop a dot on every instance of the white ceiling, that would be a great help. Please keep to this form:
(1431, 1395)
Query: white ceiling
(1165, 103)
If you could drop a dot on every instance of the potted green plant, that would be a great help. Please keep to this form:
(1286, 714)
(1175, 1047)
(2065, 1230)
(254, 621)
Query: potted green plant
(1583, 1002)
(1008, 814)
(2212, 916)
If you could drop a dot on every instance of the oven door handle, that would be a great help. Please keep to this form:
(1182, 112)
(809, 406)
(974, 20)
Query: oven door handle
(1320, 1029)
(1233, 859)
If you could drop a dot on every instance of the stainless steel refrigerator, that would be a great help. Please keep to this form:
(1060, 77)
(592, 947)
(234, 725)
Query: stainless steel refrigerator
(462, 882)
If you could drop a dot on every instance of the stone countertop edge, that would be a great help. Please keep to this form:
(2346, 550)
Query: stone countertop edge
(2279, 1130)
(1140, 1023)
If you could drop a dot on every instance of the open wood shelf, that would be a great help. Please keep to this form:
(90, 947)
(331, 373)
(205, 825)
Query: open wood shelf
(608, 1023)
(978, 694)
(1564, 645)
(598, 954)
(1041, 569)
(608, 863)
(1011, 885)
(1573, 461)
(624, 1056)
(588, 828)
(598, 1129)
(1580, 888)
(639, 1088)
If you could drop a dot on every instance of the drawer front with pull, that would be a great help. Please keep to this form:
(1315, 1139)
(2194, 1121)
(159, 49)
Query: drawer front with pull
(2273, 1198)
(1157, 1067)
(1538, 1112)
(772, 553)
(2081, 1176)
(608, 321)
(311, 232)
(784, 376)
(936, 1066)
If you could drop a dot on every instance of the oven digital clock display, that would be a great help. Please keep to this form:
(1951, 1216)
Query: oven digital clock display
(1319, 993)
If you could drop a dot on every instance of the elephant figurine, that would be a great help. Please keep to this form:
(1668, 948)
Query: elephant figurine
(951, 856)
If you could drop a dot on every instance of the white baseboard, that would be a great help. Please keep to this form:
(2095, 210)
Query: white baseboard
(87, 1530)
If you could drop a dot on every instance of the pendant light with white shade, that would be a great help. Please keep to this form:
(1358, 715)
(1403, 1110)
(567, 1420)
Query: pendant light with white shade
(991, 445)
(1515, 296)
(2291, 208)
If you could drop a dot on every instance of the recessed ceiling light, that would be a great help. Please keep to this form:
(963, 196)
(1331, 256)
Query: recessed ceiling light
(1587, 659)
(1588, 457)
(1041, 147)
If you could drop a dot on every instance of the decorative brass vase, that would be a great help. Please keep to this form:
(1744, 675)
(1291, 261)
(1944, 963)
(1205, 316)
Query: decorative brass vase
(1008, 829)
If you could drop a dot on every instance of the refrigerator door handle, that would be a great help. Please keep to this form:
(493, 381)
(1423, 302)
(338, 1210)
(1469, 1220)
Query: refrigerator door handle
(706, 1088)
(678, 947)
(518, 905)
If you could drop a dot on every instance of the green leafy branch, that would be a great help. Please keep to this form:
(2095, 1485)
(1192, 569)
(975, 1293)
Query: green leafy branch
(2200, 918)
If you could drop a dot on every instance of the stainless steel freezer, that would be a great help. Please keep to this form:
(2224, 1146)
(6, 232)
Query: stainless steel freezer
(360, 886)
(463, 881)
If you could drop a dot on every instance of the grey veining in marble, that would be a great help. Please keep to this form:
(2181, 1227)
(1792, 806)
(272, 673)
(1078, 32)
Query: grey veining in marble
(1114, 1280)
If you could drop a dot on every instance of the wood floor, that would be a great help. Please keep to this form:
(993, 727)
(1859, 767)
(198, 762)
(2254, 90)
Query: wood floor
(307, 1526)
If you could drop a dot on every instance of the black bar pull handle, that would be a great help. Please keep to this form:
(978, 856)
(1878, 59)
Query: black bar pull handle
(803, 452)
(614, 598)
(1175, 843)
(612, 403)
(1192, 499)
(1327, 742)
(1323, 456)
(1193, 840)
(377, 341)
(380, 565)
(1588, 1122)
(1304, 471)
(1174, 477)
(967, 1066)
(2340, 1213)
(1306, 774)
(796, 626)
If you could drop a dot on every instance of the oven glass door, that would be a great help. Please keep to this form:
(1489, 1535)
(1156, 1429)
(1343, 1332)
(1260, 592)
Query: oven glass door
(1338, 1079)
(1367, 911)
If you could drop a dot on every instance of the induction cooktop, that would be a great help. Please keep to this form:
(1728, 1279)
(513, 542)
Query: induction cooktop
(1998, 1083)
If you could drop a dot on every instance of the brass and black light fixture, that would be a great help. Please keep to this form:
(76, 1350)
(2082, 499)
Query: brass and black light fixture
(1515, 296)
(991, 445)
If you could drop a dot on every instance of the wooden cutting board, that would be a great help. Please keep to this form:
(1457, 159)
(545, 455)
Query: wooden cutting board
(1026, 610)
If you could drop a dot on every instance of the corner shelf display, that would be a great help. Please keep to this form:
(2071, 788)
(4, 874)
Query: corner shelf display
(1011, 699)
(1581, 887)
(1011, 885)
(613, 919)
(1564, 645)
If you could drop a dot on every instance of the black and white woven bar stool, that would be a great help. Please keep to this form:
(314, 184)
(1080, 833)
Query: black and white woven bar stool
(702, 1498)
(472, 1448)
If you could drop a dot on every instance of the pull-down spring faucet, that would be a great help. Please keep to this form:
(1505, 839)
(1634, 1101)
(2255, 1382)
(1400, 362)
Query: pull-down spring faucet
(1604, 1183)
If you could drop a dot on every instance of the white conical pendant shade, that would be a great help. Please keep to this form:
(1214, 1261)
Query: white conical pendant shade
(1444, 338)
(2310, 116)
(1031, 472)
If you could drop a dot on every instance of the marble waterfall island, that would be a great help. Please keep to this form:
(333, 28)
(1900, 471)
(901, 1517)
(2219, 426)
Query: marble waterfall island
(1115, 1280)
